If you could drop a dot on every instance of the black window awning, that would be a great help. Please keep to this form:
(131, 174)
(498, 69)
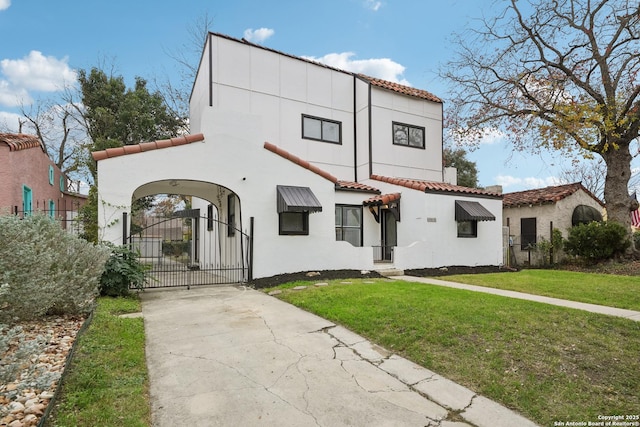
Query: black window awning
(472, 211)
(297, 199)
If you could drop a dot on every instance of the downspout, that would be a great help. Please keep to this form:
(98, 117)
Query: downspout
(355, 132)
(210, 70)
(370, 129)
(442, 140)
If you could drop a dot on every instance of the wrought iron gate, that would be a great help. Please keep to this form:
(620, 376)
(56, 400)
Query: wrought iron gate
(189, 250)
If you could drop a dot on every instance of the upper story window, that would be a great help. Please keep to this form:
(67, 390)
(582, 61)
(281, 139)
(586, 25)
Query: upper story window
(408, 135)
(51, 174)
(321, 129)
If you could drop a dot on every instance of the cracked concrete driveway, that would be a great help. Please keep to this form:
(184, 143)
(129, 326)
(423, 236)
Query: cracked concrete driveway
(229, 356)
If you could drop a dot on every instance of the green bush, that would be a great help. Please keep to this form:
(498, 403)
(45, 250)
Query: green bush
(45, 270)
(636, 239)
(597, 241)
(122, 272)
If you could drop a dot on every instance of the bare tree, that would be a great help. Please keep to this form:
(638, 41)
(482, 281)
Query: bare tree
(560, 75)
(590, 173)
(61, 129)
(187, 58)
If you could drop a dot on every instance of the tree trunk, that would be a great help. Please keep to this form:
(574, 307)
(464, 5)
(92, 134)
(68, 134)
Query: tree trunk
(616, 193)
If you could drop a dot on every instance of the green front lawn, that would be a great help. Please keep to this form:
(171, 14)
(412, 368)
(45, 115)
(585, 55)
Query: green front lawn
(603, 289)
(548, 363)
(107, 383)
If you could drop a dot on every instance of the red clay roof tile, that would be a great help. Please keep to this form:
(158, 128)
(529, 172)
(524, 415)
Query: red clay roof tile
(146, 146)
(405, 90)
(434, 187)
(382, 199)
(349, 185)
(20, 141)
(297, 160)
(546, 195)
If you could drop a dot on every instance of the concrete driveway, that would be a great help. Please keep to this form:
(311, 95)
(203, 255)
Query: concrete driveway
(231, 356)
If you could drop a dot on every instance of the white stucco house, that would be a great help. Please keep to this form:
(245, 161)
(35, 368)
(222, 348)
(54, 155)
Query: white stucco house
(321, 168)
(531, 216)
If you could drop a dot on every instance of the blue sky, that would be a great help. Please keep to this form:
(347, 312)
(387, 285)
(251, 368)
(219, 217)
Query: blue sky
(44, 42)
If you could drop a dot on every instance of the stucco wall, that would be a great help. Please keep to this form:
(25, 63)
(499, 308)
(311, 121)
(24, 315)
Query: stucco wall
(428, 234)
(554, 215)
(278, 89)
(404, 161)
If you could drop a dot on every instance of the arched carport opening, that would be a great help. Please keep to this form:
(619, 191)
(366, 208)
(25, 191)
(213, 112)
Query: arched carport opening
(200, 240)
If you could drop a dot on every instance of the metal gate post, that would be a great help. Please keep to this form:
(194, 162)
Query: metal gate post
(125, 231)
(250, 249)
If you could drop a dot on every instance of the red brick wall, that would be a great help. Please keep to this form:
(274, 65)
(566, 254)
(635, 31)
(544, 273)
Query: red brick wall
(30, 167)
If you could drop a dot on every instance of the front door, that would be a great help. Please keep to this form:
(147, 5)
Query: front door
(389, 234)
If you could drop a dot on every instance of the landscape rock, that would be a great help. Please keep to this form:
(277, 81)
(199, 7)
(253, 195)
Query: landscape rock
(22, 403)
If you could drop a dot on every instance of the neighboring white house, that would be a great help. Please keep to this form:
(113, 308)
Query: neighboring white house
(532, 215)
(326, 169)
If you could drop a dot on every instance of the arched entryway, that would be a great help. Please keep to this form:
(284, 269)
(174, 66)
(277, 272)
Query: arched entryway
(191, 235)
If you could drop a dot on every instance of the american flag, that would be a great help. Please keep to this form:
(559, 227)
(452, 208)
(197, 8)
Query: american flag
(635, 215)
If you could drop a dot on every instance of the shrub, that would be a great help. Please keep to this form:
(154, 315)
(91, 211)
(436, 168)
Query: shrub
(597, 241)
(122, 271)
(45, 270)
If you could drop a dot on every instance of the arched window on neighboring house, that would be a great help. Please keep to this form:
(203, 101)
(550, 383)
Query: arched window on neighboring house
(584, 214)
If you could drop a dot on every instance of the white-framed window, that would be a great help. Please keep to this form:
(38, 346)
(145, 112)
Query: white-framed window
(349, 224)
(320, 129)
(51, 174)
(408, 135)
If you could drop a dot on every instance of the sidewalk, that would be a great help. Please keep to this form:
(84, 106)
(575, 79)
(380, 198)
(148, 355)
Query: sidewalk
(611, 311)
(223, 356)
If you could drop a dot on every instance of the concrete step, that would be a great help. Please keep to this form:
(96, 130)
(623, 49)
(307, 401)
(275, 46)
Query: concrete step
(389, 272)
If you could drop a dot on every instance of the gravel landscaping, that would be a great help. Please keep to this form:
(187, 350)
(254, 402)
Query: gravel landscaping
(24, 401)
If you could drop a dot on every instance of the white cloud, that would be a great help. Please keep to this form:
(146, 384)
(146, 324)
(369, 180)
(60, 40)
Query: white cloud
(9, 121)
(4, 4)
(13, 96)
(382, 68)
(372, 4)
(38, 72)
(259, 35)
(527, 183)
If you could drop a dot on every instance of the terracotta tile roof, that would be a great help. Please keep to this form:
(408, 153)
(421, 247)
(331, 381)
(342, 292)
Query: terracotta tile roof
(20, 141)
(382, 199)
(405, 90)
(356, 186)
(297, 160)
(435, 187)
(146, 146)
(546, 195)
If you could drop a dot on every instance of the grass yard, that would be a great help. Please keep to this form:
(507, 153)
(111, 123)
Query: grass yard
(548, 363)
(107, 382)
(603, 289)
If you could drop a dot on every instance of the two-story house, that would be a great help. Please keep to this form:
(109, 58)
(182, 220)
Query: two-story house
(32, 182)
(326, 169)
